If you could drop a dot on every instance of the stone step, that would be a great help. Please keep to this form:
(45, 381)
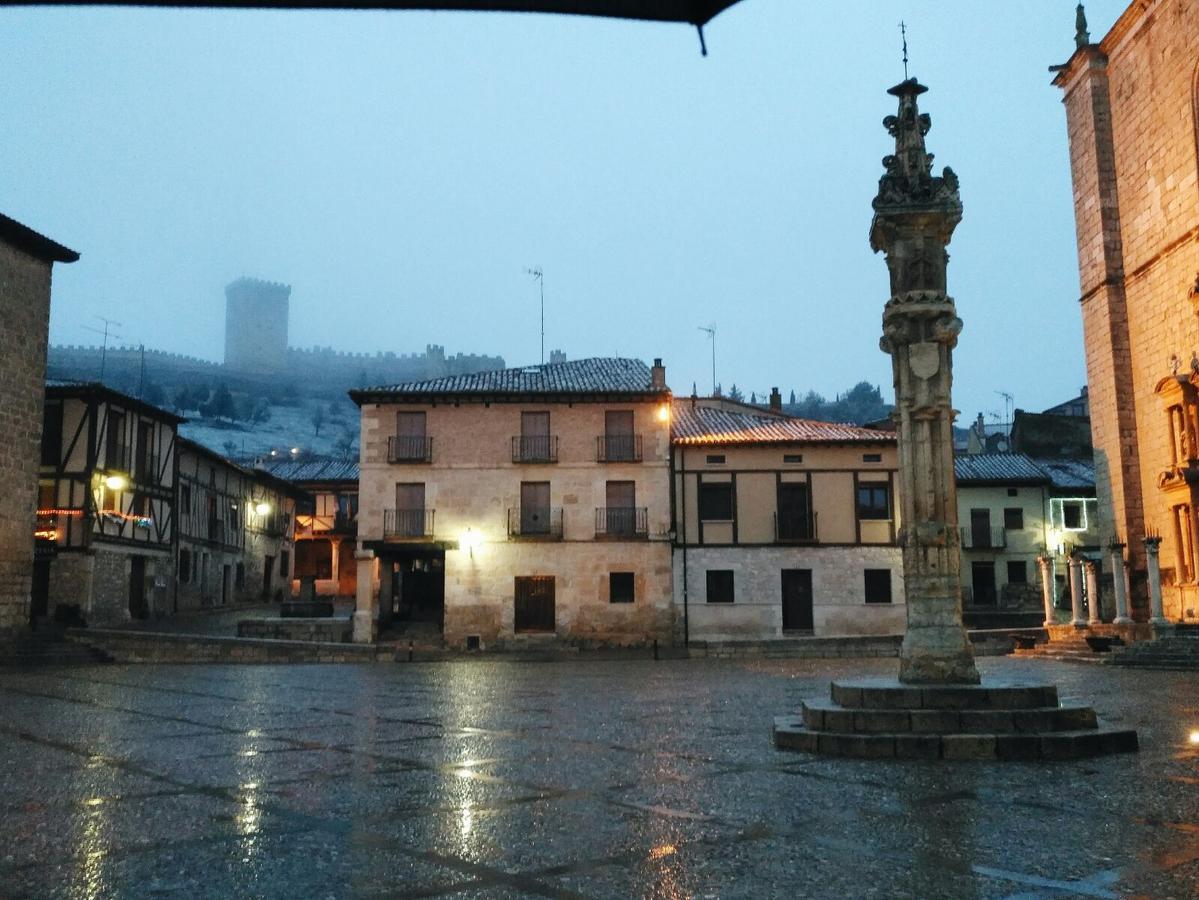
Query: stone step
(791, 734)
(824, 715)
(882, 693)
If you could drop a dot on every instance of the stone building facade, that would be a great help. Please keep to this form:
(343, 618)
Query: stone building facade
(26, 258)
(106, 505)
(235, 532)
(518, 505)
(783, 526)
(1132, 112)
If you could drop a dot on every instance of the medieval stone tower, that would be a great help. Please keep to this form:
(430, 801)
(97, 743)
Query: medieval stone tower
(256, 326)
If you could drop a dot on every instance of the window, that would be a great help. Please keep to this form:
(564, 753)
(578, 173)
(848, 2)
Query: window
(232, 516)
(239, 578)
(872, 457)
(620, 443)
(878, 585)
(874, 501)
(716, 501)
(1017, 571)
(535, 443)
(720, 585)
(792, 457)
(185, 499)
(114, 443)
(1013, 519)
(620, 587)
(409, 443)
(982, 576)
(284, 563)
(185, 566)
(52, 434)
(794, 516)
(1012, 492)
(1072, 516)
(715, 459)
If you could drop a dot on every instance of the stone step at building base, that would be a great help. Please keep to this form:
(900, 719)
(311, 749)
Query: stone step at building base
(880, 718)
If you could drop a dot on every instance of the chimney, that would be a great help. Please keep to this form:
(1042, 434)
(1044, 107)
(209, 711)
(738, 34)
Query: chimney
(657, 376)
(776, 400)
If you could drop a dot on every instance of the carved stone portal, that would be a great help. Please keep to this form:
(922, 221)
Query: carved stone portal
(915, 214)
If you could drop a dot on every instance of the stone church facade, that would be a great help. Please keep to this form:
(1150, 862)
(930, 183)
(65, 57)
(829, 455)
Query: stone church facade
(1132, 111)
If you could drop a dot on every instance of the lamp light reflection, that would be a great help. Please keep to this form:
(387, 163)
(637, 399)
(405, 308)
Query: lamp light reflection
(1193, 737)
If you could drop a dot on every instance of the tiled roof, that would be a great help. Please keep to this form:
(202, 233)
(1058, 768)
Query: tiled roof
(1071, 473)
(599, 375)
(990, 468)
(707, 425)
(38, 245)
(304, 470)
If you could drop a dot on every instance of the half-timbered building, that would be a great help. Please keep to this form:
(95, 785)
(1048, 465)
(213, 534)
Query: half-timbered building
(235, 532)
(106, 505)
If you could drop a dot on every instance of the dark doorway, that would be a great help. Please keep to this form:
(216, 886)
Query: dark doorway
(268, 568)
(39, 606)
(138, 608)
(980, 528)
(418, 590)
(983, 578)
(535, 603)
(226, 576)
(797, 600)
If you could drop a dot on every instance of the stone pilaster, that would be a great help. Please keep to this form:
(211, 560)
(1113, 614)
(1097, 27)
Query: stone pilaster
(1094, 600)
(366, 605)
(915, 214)
(1152, 547)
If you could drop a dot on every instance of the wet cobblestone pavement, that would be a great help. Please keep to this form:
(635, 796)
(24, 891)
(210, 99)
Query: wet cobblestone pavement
(496, 779)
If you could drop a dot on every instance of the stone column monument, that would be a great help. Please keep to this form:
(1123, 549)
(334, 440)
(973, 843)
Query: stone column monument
(915, 213)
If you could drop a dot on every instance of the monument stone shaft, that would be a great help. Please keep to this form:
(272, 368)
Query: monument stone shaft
(915, 214)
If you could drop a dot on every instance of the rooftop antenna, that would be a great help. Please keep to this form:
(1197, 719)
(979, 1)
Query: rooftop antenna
(903, 30)
(539, 275)
(108, 323)
(711, 330)
(1008, 402)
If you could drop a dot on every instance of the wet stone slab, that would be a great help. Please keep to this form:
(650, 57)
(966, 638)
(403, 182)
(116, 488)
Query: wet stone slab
(576, 779)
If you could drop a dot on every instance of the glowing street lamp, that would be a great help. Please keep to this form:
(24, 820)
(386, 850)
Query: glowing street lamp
(116, 482)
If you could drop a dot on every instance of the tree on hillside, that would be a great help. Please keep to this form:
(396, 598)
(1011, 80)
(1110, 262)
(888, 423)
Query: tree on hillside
(220, 406)
(318, 419)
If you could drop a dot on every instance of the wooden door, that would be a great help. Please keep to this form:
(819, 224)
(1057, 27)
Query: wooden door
(40, 594)
(621, 512)
(797, 600)
(534, 603)
(410, 510)
(535, 436)
(794, 514)
(534, 507)
(982, 576)
(618, 434)
(137, 587)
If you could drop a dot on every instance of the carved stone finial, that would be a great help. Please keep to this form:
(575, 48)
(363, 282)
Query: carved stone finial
(1082, 37)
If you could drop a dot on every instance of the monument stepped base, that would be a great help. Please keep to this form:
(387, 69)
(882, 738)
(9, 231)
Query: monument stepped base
(882, 718)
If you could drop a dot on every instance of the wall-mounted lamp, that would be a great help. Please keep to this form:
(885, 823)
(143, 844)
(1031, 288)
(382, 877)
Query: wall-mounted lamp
(470, 539)
(116, 482)
(262, 508)
(664, 413)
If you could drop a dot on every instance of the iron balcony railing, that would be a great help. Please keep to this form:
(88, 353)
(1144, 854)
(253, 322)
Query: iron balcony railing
(542, 522)
(621, 522)
(618, 448)
(344, 521)
(792, 527)
(402, 449)
(408, 522)
(991, 538)
(540, 448)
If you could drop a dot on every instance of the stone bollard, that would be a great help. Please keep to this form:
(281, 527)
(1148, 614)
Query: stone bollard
(1119, 584)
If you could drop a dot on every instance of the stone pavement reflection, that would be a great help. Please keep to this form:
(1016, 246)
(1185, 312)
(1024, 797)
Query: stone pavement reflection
(581, 779)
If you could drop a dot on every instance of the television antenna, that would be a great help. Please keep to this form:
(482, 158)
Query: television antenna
(540, 276)
(711, 332)
(107, 332)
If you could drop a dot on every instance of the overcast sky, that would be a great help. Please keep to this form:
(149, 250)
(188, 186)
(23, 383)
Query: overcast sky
(401, 170)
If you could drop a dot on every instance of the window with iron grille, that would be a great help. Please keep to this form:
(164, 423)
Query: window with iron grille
(1017, 571)
(720, 585)
(620, 587)
(878, 585)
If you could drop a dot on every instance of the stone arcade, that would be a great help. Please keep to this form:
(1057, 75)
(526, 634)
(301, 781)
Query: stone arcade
(937, 708)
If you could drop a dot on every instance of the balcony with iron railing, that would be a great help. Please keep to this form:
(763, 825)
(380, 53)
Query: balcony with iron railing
(542, 523)
(408, 523)
(402, 449)
(541, 448)
(622, 522)
(796, 528)
(990, 538)
(618, 448)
